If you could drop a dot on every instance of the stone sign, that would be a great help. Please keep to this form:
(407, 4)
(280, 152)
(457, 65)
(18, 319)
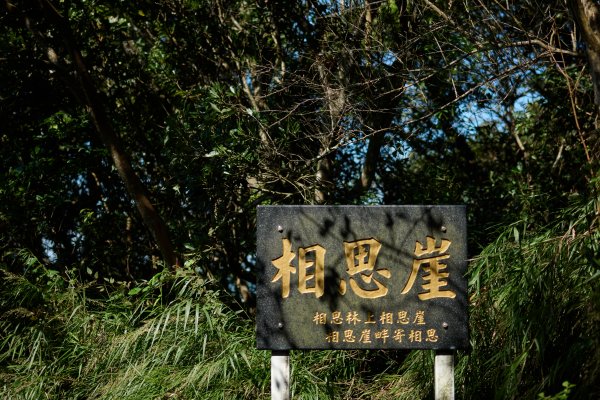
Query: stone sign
(361, 277)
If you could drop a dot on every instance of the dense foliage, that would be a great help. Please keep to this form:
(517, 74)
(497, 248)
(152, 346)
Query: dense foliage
(137, 139)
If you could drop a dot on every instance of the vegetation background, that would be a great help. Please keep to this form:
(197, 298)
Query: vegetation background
(137, 139)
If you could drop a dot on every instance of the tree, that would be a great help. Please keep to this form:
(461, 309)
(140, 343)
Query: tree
(271, 102)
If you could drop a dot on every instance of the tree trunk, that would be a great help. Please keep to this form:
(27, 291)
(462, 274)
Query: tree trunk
(587, 15)
(121, 161)
(334, 100)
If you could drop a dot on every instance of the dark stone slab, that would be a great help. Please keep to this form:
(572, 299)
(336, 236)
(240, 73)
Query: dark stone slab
(393, 277)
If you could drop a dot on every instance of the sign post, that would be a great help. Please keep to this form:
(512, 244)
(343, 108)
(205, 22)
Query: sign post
(362, 277)
(280, 375)
(443, 375)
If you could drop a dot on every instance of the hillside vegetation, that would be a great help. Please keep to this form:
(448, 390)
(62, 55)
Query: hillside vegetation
(138, 138)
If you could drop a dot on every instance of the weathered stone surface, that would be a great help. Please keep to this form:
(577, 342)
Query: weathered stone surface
(390, 300)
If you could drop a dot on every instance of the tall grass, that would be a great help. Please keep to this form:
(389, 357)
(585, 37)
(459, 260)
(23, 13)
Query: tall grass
(171, 337)
(535, 323)
(535, 310)
(60, 343)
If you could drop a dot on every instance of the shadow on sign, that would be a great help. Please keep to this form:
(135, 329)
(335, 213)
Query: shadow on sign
(358, 277)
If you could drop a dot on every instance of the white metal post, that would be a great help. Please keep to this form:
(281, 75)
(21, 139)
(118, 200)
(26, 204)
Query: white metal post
(280, 375)
(443, 375)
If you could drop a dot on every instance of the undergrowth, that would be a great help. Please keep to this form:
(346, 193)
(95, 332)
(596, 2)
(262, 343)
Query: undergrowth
(535, 310)
(535, 319)
(57, 342)
(172, 337)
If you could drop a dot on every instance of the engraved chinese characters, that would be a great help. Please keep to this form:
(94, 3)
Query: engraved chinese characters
(285, 269)
(361, 258)
(394, 326)
(435, 279)
(354, 277)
